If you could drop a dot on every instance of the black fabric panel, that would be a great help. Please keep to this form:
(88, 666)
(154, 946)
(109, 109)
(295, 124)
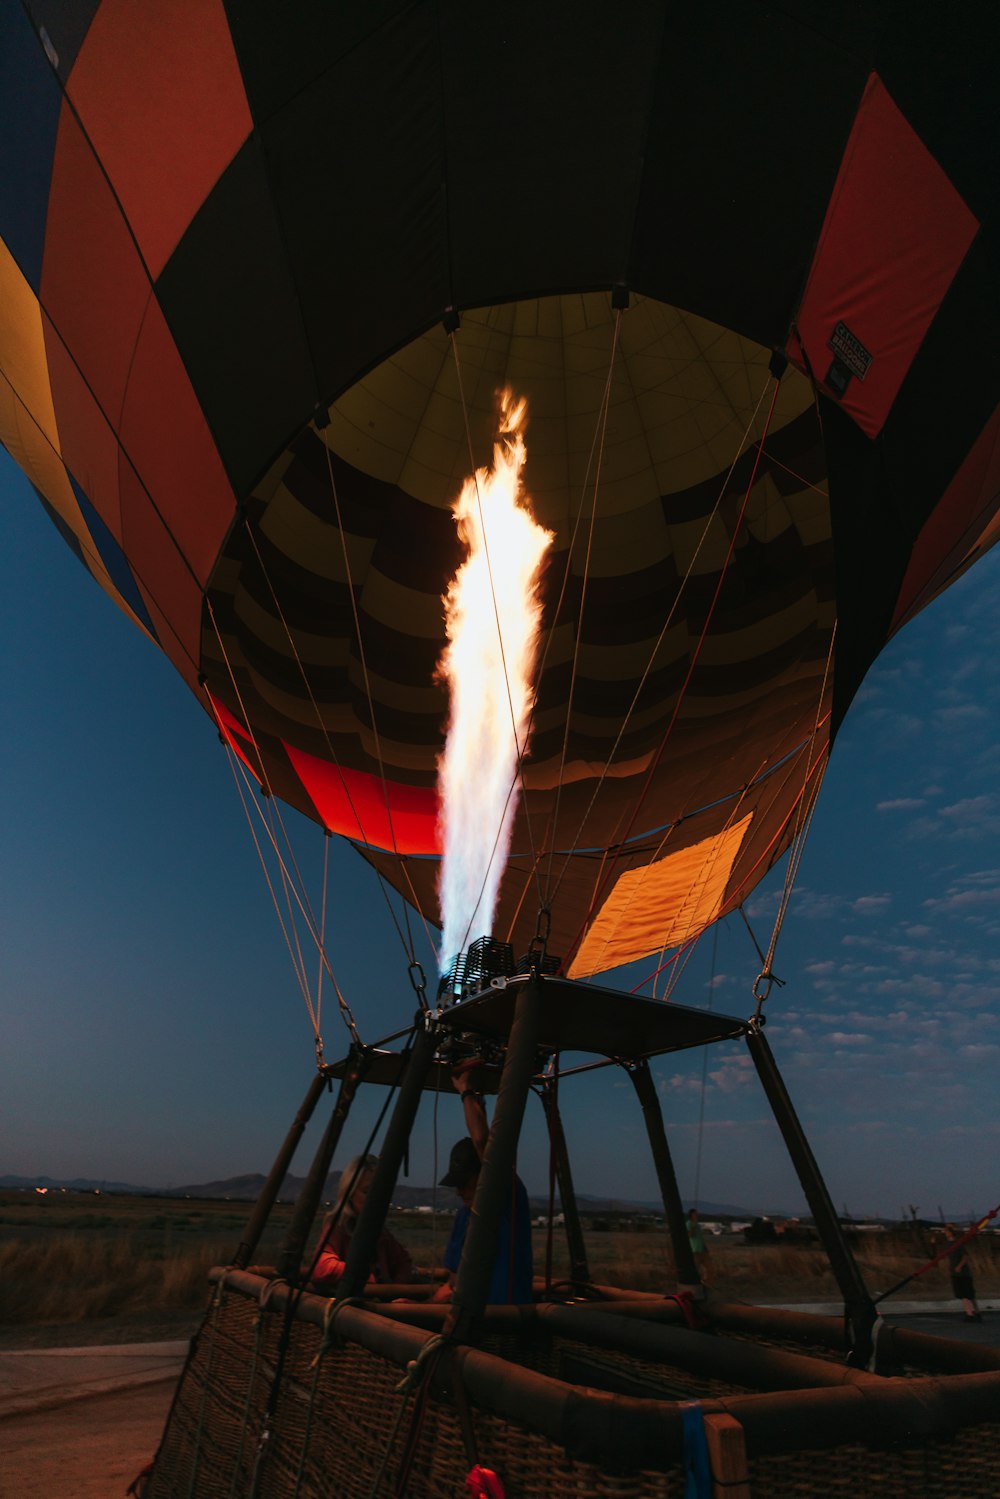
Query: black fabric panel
(284, 49)
(66, 23)
(951, 391)
(957, 119)
(882, 493)
(356, 164)
(752, 112)
(234, 314)
(546, 111)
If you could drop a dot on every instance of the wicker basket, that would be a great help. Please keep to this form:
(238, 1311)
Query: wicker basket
(283, 1397)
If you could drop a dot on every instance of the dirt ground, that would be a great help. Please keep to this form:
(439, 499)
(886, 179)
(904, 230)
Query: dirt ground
(99, 1330)
(86, 1449)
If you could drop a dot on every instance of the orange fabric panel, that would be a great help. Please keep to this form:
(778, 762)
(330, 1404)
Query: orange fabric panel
(168, 442)
(27, 417)
(956, 525)
(160, 94)
(89, 447)
(25, 366)
(354, 803)
(895, 233)
(662, 904)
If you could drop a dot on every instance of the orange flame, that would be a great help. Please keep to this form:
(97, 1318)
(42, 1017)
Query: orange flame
(493, 617)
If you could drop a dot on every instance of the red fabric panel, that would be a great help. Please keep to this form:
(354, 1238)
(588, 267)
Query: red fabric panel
(161, 570)
(236, 737)
(167, 440)
(955, 525)
(414, 808)
(160, 95)
(895, 233)
(94, 285)
(87, 444)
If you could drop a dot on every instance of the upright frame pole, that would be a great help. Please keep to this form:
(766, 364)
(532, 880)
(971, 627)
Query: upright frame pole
(475, 1270)
(859, 1309)
(579, 1268)
(305, 1208)
(269, 1191)
(371, 1220)
(642, 1081)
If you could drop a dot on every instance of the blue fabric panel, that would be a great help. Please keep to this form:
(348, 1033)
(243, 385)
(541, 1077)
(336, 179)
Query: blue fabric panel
(113, 558)
(64, 531)
(30, 99)
(697, 1469)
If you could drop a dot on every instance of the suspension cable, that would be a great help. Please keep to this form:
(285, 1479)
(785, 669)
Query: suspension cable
(301, 896)
(668, 621)
(805, 809)
(600, 436)
(704, 1071)
(331, 751)
(322, 944)
(596, 450)
(691, 664)
(408, 944)
(238, 770)
(300, 977)
(698, 877)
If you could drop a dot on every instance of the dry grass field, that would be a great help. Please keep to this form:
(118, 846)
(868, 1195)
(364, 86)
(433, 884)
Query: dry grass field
(76, 1267)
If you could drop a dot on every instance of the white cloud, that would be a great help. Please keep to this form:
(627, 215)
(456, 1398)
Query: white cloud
(971, 809)
(871, 905)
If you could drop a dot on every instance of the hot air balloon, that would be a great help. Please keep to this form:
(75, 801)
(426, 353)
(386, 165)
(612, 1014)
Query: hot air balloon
(263, 273)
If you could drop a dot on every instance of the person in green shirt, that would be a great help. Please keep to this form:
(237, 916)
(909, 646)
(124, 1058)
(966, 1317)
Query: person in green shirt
(702, 1258)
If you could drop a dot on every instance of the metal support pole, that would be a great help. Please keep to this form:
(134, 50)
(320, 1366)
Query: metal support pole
(579, 1269)
(292, 1250)
(269, 1191)
(475, 1269)
(859, 1309)
(642, 1081)
(371, 1219)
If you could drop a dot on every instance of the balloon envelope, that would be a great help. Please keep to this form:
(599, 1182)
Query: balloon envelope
(263, 271)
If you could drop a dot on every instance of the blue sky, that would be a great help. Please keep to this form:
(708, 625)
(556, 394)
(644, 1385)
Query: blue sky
(153, 1031)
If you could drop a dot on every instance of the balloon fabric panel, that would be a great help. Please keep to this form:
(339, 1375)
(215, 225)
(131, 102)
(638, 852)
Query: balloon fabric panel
(255, 221)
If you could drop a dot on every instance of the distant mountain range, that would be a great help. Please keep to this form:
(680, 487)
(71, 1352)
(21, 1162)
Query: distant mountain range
(247, 1189)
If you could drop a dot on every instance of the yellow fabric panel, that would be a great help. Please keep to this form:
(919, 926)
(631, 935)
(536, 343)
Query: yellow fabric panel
(682, 398)
(27, 419)
(661, 905)
(28, 427)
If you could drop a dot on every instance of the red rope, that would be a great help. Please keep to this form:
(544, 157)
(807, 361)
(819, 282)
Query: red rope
(949, 1248)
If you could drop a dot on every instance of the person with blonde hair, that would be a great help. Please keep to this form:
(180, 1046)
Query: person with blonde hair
(393, 1265)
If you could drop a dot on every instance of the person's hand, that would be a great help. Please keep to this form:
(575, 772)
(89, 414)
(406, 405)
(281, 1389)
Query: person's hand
(462, 1079)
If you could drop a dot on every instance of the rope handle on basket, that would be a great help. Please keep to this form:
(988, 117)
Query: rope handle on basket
(417, 1367)
(331, 1338)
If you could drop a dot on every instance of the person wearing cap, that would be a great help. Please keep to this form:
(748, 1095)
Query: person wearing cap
(512, 1268)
